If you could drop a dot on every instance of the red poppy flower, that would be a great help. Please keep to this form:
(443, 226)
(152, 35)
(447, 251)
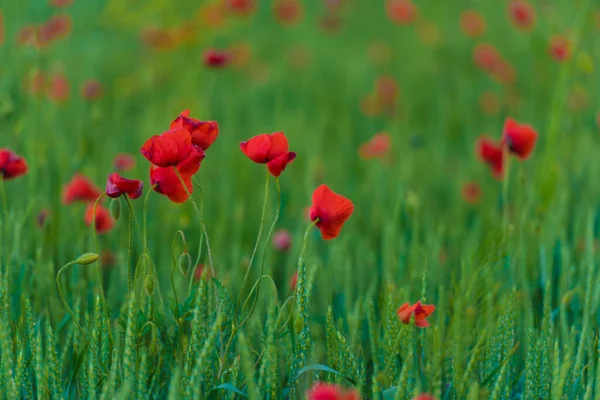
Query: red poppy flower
(424, 396)
(104, 222)
(57, 27)
(170, 148)
(91, 90)
(471, 192)
(294, 281)
(377, 147)
(472, 23)
(124, 162)
(522, 14)
(486, 56)
(420, 311)
(491, 154)
(288, 12)
(520, 138)
(282, 240)
(559, 48)
(329, 391)
(28, 36)
(331, 209)
(117, 186)
(216, 58)
(59, 88)
(11, 165)
(167, 182)
(204, 133)
(241, 7)
(269, 149)
(80, 189)
(401, 12)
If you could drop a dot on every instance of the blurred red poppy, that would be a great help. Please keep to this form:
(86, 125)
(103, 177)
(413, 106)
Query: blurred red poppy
(212, 15)
(80, 188)
(492, 154)
(116, 186)
(91, 90)
(41, 218)
(56, 28)
(104, 221)
(559, 48)
(282, 240)
(520, 138)
(332, 210)
(34, 83)
(377, 147)
(61, 3)
(28, 35)
(472, 23)
(486, 56)
(59, 88)
(424, 396)
(216, 58)
(288, 12)
(471, 192)
(166, 182)
(401, 12)
(294, 281)
(272, 150)
(124, 162)
(171, 148)
(11, 165)
(521, 14)
(420, 312)
(204, 133)
(330, 391)
(240, 7)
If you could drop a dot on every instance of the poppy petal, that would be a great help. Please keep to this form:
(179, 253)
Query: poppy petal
(279, 146)
(277, 166)
(257, 148)
(331, 209)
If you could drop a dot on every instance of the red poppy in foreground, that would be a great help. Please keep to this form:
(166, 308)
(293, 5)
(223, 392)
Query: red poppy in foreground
(492, 154)
(80, 189)
(522, 14)
(420, 312)
(166, 181)
(272, 150)
(204, 133)
(520, 138)
(104, 222)
(332, 210)
(124, 162)
(11, 165)
(117, 186)
(216, 58)
(330, 391)
(171, 148)
(377, 147)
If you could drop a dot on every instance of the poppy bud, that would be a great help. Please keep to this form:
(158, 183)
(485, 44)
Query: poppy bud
(185, 263)
(115, 208)
(149, 285)
(87, 258)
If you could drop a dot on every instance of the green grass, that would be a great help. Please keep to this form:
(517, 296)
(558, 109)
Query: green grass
(514, 278)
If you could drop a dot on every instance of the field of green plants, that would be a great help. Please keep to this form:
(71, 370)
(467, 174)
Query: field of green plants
(299, 199)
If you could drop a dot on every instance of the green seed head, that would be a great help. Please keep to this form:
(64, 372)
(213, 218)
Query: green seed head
(115, 208)
(149, 284)
(185, 263)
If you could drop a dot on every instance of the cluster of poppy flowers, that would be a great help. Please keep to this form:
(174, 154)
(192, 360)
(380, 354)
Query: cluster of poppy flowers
(517, 139)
